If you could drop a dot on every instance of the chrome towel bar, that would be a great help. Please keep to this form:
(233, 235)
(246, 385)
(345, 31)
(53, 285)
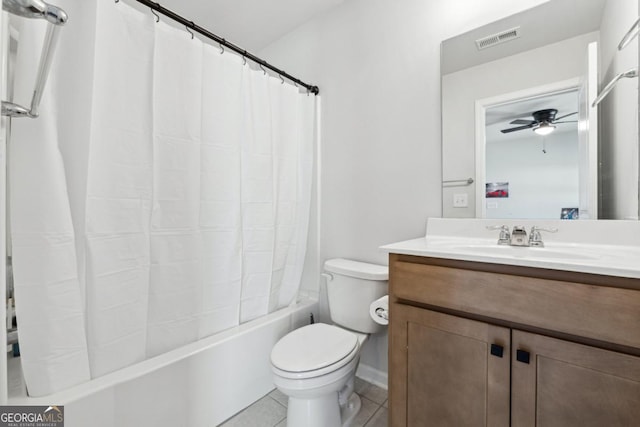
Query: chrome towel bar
(633, 72)
(56, 18)
(631, 34)
(459, 182)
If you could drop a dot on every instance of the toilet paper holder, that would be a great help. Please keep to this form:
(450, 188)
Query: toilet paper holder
(379, 310)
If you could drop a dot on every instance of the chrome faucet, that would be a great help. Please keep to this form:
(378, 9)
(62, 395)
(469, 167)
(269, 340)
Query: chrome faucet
(519, 236)
(535, 238)
(504, 238)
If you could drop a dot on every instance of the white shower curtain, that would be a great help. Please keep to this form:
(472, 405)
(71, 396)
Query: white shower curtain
(49, 305)
(197, 198)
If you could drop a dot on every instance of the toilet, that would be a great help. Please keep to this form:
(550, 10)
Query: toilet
(315, 365)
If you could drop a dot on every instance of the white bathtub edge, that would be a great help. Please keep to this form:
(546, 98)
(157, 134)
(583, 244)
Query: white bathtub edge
(105, 391)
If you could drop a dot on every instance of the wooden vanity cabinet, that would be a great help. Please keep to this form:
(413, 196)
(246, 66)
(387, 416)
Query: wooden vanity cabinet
(474, 344)
(446, 370)
(567, 384)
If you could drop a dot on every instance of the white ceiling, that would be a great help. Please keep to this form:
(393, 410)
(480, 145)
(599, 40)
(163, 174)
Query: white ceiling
(250, 24)
(547, 23)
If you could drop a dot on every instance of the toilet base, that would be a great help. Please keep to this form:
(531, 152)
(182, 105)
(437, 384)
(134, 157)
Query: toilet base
(323, 411)
(350, 410)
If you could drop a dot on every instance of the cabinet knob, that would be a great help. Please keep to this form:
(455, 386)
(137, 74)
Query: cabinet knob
(497, 350)
(523, 356)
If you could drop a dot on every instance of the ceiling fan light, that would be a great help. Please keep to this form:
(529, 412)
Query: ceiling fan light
(544, 128)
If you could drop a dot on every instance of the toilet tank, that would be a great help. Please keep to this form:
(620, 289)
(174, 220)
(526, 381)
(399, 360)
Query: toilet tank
(351, 288)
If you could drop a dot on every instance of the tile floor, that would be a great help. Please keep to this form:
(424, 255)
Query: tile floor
(271, 410)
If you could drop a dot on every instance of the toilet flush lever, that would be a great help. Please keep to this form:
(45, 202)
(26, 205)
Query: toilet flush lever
(327, 276)
(382, 313)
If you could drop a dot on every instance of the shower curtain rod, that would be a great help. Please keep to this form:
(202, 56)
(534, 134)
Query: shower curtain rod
(223, 42)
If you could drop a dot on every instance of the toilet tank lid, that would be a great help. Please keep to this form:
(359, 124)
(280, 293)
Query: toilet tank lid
(357, 269)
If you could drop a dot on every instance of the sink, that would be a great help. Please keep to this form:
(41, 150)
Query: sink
(489, 248)
(523, 252)
(587, 246)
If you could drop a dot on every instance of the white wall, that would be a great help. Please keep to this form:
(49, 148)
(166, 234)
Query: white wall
(618, 154)
(540, 184)
(377, 63)
(460, 90)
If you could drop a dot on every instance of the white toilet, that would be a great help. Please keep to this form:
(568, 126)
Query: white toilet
(315, 365)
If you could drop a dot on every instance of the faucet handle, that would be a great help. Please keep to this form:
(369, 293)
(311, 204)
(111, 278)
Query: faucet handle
(535, 229)
(504, 238)
(535, 238)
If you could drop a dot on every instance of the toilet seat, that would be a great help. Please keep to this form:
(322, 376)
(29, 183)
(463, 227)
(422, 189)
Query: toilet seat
(313, 350)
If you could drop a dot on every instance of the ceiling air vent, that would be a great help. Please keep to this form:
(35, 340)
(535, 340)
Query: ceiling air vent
(501, 37)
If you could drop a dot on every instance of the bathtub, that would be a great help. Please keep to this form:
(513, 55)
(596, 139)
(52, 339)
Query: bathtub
(198, 385)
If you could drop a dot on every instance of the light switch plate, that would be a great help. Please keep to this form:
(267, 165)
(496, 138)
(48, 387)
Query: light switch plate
(460, 200)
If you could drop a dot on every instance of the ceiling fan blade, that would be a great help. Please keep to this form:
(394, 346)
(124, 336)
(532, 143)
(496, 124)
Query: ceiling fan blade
(562, 117)
(570, 121)
(529, 126)
(522, 122)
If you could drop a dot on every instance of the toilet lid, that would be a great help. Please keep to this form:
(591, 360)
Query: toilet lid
(312, 347)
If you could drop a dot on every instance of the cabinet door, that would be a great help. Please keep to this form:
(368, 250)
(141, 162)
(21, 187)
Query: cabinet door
(566, 384)
(446, 370)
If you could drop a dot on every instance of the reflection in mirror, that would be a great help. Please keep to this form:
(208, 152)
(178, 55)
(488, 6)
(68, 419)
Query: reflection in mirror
(529, 172)
(509, 81)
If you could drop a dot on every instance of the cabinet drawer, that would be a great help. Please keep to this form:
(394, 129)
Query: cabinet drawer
(597, 312)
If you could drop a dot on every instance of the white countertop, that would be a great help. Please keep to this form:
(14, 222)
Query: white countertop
(589, 249)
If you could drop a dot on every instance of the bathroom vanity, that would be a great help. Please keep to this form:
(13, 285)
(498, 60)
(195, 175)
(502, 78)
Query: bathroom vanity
(537, 340)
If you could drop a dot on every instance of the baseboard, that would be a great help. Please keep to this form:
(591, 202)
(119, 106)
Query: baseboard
(373, 376)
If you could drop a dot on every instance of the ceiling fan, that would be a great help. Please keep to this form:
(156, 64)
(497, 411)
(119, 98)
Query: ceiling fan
(543, 123)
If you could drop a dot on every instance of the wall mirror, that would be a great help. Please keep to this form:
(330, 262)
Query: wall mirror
(521, 138)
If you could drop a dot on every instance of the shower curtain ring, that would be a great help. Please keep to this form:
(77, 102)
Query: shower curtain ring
(244, 58)
(156, 15)
(189, 31)
(221, 46)
(263, 70)
(117, 1)
(280, 75)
